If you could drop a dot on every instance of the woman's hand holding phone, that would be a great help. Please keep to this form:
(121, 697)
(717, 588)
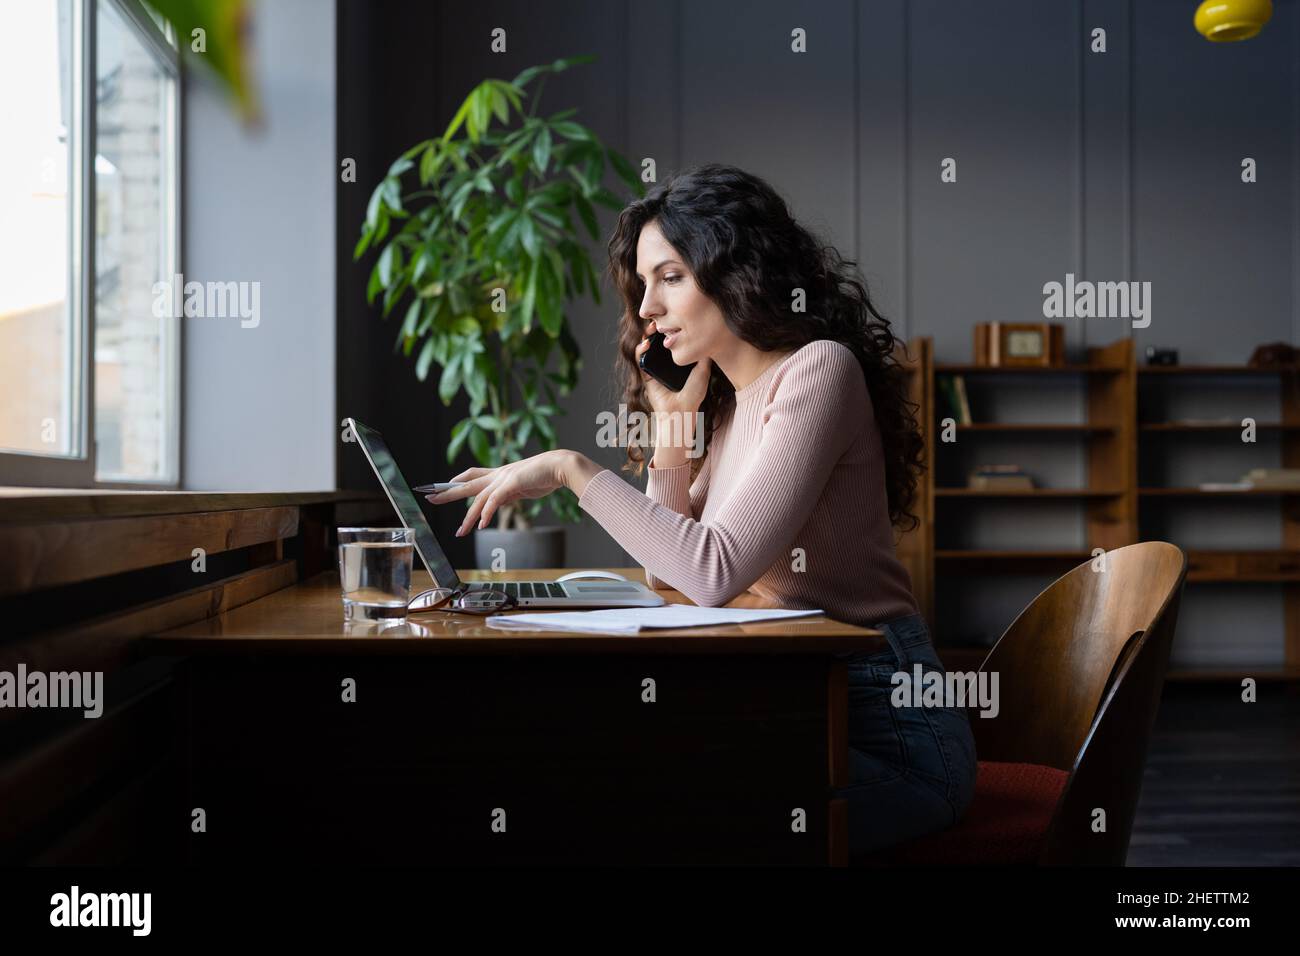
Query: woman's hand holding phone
(683, 404)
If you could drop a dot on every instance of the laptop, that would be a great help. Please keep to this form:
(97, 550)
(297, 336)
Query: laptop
(579, 589)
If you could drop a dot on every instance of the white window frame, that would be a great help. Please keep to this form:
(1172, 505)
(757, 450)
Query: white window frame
(77, 469)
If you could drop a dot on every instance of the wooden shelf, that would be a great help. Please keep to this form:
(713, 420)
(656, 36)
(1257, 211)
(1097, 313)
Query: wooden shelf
(991, 563)
(950, 368)
(1204, 493)
(1205, 577)
(1034, 427)
(1213, 370)
(1210, 426)
(1115, 395)
(1024, 493)
(1030, 555)
(1266, 672)
(1262, 566)
(1203, 566)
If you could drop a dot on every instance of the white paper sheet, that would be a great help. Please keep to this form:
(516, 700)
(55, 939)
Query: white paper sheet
(631, 620)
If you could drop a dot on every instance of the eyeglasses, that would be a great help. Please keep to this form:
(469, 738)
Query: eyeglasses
(468, 602)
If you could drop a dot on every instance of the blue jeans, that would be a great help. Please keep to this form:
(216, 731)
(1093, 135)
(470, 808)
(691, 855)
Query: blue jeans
(911, 768)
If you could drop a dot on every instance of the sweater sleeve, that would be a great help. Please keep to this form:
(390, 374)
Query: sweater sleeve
(804, 435)
(671, 487)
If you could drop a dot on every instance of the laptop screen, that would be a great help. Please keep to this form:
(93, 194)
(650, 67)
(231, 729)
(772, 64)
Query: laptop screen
(403, 501)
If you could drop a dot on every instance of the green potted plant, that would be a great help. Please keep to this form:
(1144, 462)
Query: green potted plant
(476, 245)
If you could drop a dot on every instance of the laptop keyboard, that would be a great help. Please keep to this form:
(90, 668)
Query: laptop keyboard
(522, 589)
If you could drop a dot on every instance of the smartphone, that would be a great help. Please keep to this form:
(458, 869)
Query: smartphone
(658, 362)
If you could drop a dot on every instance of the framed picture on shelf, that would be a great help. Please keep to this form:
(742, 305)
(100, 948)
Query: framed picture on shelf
(1019, 344)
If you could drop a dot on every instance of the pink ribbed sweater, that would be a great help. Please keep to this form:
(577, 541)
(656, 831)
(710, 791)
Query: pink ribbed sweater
(797, 465)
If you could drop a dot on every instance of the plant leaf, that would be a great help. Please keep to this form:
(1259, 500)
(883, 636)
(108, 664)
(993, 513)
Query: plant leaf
(449, 384)
(528, 235)
(459, 433)
(480, 112)
(570, 130)
(228, 53)
(480, 446)
(412, 317)
(429, 164)
(512, 93)
(593, 280)
(607, 198)
(372, 207)
(500, 105)
(527, 76)
(410, 153)
(362, 244)
(625, 170)
(422, 363)
(393, 193)
(511, 237)
(588, 215)
(544, 426)
(474, 384)
(551, 216)
(595, 167)
(467, 326)
(459, 199)
(542, 150)
(548, 312)
(458, 119)
(530, 298)
(561, 65)
(393, 294)
(442, 342)
(456, 297)
(431, 309)
(386, 263)
(557, 268)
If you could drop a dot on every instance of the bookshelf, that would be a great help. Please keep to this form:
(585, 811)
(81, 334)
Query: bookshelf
(1119, 444)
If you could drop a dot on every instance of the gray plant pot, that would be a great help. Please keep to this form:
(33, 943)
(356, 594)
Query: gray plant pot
(541, 547)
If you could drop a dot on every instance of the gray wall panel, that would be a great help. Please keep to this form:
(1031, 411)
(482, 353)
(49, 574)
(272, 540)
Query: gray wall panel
(1113, 166)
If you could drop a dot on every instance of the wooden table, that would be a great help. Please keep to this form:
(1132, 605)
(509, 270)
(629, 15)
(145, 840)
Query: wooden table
(445, 741)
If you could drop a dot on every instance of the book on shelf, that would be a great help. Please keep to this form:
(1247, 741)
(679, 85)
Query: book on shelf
(953, 388)
(999, 478)
(1257, 478)
(1273, 477)
(963, 403)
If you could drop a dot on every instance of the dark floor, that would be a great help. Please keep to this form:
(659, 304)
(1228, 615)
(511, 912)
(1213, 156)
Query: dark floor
(1222, 784)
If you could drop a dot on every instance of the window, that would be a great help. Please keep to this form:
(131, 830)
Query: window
(89, 387)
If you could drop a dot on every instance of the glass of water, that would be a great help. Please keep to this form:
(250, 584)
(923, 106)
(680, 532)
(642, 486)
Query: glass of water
(375, 572)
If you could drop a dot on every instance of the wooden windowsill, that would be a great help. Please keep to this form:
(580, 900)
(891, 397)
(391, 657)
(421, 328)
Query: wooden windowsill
(18, 504)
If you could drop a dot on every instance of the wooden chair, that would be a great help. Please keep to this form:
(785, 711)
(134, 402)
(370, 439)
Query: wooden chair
(1080, 674)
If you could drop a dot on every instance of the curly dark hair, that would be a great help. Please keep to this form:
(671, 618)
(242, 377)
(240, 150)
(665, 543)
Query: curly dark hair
(747, 253)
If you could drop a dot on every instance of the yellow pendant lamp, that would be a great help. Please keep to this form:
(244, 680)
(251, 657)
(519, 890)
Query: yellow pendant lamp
(1226, 20)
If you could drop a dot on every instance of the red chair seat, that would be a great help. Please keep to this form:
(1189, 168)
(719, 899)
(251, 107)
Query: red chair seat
(1005, 825)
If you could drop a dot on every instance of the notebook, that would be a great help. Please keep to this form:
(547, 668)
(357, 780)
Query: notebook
(632, 620)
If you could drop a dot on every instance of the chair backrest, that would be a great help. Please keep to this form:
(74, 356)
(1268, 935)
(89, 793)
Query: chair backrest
(1079, 677)
(1056, 659)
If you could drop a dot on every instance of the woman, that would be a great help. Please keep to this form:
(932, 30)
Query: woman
(811, 456)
